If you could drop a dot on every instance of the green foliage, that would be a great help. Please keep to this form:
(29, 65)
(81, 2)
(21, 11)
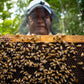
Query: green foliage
(5, 14)
(5, 27)
(70, 13)
(8, 25)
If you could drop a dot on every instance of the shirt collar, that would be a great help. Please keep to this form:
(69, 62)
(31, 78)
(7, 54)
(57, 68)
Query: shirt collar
(30, 34)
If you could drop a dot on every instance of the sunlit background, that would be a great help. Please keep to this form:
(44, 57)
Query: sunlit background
(70, 13)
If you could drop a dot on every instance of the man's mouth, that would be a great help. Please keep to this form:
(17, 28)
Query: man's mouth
(40, 27)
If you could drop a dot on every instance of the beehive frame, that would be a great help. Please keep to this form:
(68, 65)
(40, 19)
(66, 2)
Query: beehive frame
(46, 38)
(77, 41)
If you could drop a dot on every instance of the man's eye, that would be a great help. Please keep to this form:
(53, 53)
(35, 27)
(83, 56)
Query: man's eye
(34, 17)
(47, 16)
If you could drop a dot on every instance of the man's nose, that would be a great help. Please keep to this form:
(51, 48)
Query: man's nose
(41, 19)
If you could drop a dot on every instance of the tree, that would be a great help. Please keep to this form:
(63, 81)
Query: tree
(70, 13)
(8, 25)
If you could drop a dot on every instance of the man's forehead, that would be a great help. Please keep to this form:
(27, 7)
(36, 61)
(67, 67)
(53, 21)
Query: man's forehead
(40, 10)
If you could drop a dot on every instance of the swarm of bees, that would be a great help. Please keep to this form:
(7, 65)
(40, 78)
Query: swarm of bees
(38, 63)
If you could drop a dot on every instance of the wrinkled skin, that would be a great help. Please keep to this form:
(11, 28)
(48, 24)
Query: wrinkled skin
(39, 22)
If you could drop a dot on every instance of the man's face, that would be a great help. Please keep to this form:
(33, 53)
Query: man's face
(39, 22)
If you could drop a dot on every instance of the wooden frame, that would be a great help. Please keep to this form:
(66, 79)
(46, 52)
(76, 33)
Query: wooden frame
(45, 38)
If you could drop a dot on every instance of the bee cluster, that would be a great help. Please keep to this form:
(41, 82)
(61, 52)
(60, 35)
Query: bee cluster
(38, 63)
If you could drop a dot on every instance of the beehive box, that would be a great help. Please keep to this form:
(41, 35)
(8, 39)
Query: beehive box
(46, 59)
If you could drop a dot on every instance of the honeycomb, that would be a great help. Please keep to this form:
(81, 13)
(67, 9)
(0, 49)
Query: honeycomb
(39, 59)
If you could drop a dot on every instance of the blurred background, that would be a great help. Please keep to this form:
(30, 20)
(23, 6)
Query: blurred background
(69, 12)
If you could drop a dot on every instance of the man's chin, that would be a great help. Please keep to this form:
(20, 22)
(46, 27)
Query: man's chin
(41, 33)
